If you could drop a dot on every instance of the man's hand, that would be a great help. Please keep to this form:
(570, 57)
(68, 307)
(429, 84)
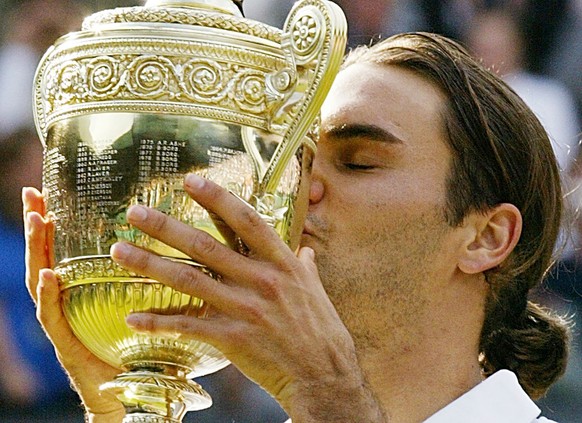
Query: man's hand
(85, 370)
(271, 316)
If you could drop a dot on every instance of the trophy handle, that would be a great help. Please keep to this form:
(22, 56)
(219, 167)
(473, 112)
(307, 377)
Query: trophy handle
(315, 32)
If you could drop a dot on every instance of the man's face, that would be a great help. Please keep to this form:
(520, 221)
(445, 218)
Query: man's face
(376, 217)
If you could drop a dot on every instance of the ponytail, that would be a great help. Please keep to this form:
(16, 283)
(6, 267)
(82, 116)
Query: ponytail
(535, 348)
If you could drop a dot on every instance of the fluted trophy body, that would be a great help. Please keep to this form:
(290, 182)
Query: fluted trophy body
(130, 104)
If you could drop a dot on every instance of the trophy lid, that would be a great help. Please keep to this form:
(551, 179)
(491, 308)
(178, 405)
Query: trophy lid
(223, 15)
(233, 7)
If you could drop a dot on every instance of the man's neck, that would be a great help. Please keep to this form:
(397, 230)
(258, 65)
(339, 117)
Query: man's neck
(413, 377)
(411, 390)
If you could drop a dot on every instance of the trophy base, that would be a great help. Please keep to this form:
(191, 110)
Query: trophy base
(155, 397)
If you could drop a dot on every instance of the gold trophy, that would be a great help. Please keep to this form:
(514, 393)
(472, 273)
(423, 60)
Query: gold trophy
(130, 104)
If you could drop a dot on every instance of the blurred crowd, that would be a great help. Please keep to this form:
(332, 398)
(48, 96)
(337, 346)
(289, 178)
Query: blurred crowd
(535, 45)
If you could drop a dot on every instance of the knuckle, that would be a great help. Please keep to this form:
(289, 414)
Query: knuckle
(251, 217)
(187, 279)
(148, 324)
(270, 287)
(213, 192)
(141, 260)
(182, 325)
(202, 244)
(292, 267)
(158, 221)
(253, 312)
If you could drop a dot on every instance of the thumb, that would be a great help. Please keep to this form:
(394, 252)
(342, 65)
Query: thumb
(50, 313)
(306, 256)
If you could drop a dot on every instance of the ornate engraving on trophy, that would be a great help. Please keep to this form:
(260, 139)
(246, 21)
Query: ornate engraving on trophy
(195, 81)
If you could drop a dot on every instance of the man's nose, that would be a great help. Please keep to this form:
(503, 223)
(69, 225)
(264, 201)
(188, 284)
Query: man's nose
(317, 188)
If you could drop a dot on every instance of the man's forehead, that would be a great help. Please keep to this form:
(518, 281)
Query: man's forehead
(349, 94)
(373, 93)
(386, 98)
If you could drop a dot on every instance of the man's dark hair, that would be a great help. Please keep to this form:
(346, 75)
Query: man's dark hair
(500, 154)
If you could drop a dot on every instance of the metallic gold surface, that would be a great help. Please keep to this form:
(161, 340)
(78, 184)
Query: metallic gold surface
(126, 107)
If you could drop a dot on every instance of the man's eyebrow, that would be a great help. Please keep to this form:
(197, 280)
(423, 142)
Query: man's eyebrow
(359, 130)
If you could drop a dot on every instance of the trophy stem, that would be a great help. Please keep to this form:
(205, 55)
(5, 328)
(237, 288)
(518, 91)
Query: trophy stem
(154, 397)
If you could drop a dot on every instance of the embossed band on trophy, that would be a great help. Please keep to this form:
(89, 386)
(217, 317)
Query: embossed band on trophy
(127, 107)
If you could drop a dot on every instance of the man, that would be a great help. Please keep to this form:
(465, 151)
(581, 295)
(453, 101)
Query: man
(434, 209)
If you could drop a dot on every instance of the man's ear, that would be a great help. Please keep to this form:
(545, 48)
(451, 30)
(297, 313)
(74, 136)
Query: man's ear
(494, 236)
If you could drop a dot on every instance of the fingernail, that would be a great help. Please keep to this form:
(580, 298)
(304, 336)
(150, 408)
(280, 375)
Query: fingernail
(119, 250)
(194, 181)
(137, 213)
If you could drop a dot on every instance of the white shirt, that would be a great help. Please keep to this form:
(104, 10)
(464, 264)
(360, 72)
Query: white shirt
(498, 399)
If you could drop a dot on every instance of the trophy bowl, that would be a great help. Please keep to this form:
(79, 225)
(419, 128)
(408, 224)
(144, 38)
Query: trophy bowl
(129, 105)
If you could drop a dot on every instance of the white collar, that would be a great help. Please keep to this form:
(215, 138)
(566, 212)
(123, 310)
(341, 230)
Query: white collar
(499, 399)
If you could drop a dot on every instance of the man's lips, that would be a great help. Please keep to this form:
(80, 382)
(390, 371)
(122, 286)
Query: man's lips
(307, 230)
(314, 227)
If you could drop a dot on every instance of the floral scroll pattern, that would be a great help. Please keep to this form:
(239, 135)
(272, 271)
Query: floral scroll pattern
(155, 77)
